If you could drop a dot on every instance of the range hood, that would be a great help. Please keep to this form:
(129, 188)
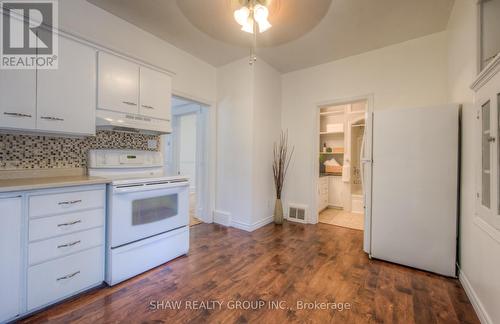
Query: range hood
(123, 122)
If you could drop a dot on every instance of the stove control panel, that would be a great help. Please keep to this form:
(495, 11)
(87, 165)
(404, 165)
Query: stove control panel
(124, 159)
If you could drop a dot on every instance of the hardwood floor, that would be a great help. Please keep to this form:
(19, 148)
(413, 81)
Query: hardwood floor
(289, 263)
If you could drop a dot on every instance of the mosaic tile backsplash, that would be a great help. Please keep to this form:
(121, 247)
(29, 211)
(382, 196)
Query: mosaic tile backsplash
(47, 152)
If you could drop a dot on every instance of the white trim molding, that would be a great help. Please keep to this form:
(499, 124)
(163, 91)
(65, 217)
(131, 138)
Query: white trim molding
(484, 318)
(488, 72)
(252, 227)
(487, 228)
(222, 218)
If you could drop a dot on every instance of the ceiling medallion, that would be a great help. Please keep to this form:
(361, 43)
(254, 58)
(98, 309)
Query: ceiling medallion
(253, 14)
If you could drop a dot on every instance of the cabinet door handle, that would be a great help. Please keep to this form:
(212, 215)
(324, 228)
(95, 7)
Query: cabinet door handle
(52, 118)
(70, 223)
(129, 103)
(148, 107)
(71, 202)
(68, 276)
(17, 114)
(69, 244)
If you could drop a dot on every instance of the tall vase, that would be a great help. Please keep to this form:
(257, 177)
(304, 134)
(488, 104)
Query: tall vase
(278, 212)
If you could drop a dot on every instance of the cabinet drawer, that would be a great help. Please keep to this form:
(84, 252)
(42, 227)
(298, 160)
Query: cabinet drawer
(54, 280)
(64, 245)
(50, 204)
(47, 227)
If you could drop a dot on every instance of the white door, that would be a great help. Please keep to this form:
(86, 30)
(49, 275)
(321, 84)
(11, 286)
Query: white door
(10, 256)
(155, 94)
(118, 84)
(66, 97)
(18, 99)
(415, 187)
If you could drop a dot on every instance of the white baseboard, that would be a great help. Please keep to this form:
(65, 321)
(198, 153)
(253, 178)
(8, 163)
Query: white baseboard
(221, 217)
(252, 227)
(484, 318)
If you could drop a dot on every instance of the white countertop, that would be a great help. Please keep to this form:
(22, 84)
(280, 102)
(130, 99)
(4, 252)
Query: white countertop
(23, 184)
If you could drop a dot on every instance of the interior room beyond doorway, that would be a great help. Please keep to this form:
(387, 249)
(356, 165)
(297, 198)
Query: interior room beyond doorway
(341, 182)
(185, 151)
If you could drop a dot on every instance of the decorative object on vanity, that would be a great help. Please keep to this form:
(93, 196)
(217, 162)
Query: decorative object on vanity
(43, 152)
(281, 162)
(148, 213)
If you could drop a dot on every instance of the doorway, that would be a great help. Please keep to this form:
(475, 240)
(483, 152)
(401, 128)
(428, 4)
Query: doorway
(343, 163)
(186, 152)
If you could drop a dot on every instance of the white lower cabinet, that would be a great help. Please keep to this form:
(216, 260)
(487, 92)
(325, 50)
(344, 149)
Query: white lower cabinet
(335, 191)
(51, 281)
(66, 243)
(51, 247)
(10, 256)
(323, 193)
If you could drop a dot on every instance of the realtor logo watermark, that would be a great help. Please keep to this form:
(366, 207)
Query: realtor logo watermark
(28, 37)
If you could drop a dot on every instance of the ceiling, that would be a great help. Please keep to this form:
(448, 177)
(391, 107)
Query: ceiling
(304, 33)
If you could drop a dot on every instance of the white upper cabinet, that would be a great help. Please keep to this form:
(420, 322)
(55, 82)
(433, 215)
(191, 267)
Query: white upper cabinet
(118, 84)
(66, 97)
(155, 94)
(18, 99)
(10, 256)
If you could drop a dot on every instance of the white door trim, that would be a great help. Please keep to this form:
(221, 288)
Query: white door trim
(210, 166)
(313, 216)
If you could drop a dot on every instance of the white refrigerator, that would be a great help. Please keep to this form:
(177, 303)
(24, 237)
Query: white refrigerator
(415, 188)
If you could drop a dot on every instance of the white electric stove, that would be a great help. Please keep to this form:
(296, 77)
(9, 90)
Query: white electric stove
(147, 214)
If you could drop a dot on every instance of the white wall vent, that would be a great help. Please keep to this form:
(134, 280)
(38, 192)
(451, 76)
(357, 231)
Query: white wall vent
(297, 213)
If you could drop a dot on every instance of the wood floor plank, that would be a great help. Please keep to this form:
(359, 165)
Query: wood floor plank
(289, 265)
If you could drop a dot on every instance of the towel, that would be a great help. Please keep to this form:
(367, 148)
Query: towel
(331, 162)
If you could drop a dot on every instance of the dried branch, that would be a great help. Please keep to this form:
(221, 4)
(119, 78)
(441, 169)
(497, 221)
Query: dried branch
(281, 162)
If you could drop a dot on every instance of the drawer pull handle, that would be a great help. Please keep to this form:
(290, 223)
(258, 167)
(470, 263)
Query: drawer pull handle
(72, 202)
(70, 223)
(51, 118)
(129, 103)
(148, 107)
(68, 276)
(17, 114)
(68, 244)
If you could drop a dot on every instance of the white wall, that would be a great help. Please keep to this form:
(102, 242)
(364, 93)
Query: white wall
(233, 201)
(409, 74)
(479, 253)
(194, 78)
(267, 128)
(248, 103)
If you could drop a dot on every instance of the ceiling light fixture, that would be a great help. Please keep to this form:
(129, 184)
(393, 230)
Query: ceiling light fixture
(250, 12)
(253, 13)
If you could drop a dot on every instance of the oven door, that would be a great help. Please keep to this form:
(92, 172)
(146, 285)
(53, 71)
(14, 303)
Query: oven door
(141, 211)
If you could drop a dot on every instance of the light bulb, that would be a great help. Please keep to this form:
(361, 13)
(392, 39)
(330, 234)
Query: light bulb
(264, 25)
(260, 14)
(248, 26)
(241, 15)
